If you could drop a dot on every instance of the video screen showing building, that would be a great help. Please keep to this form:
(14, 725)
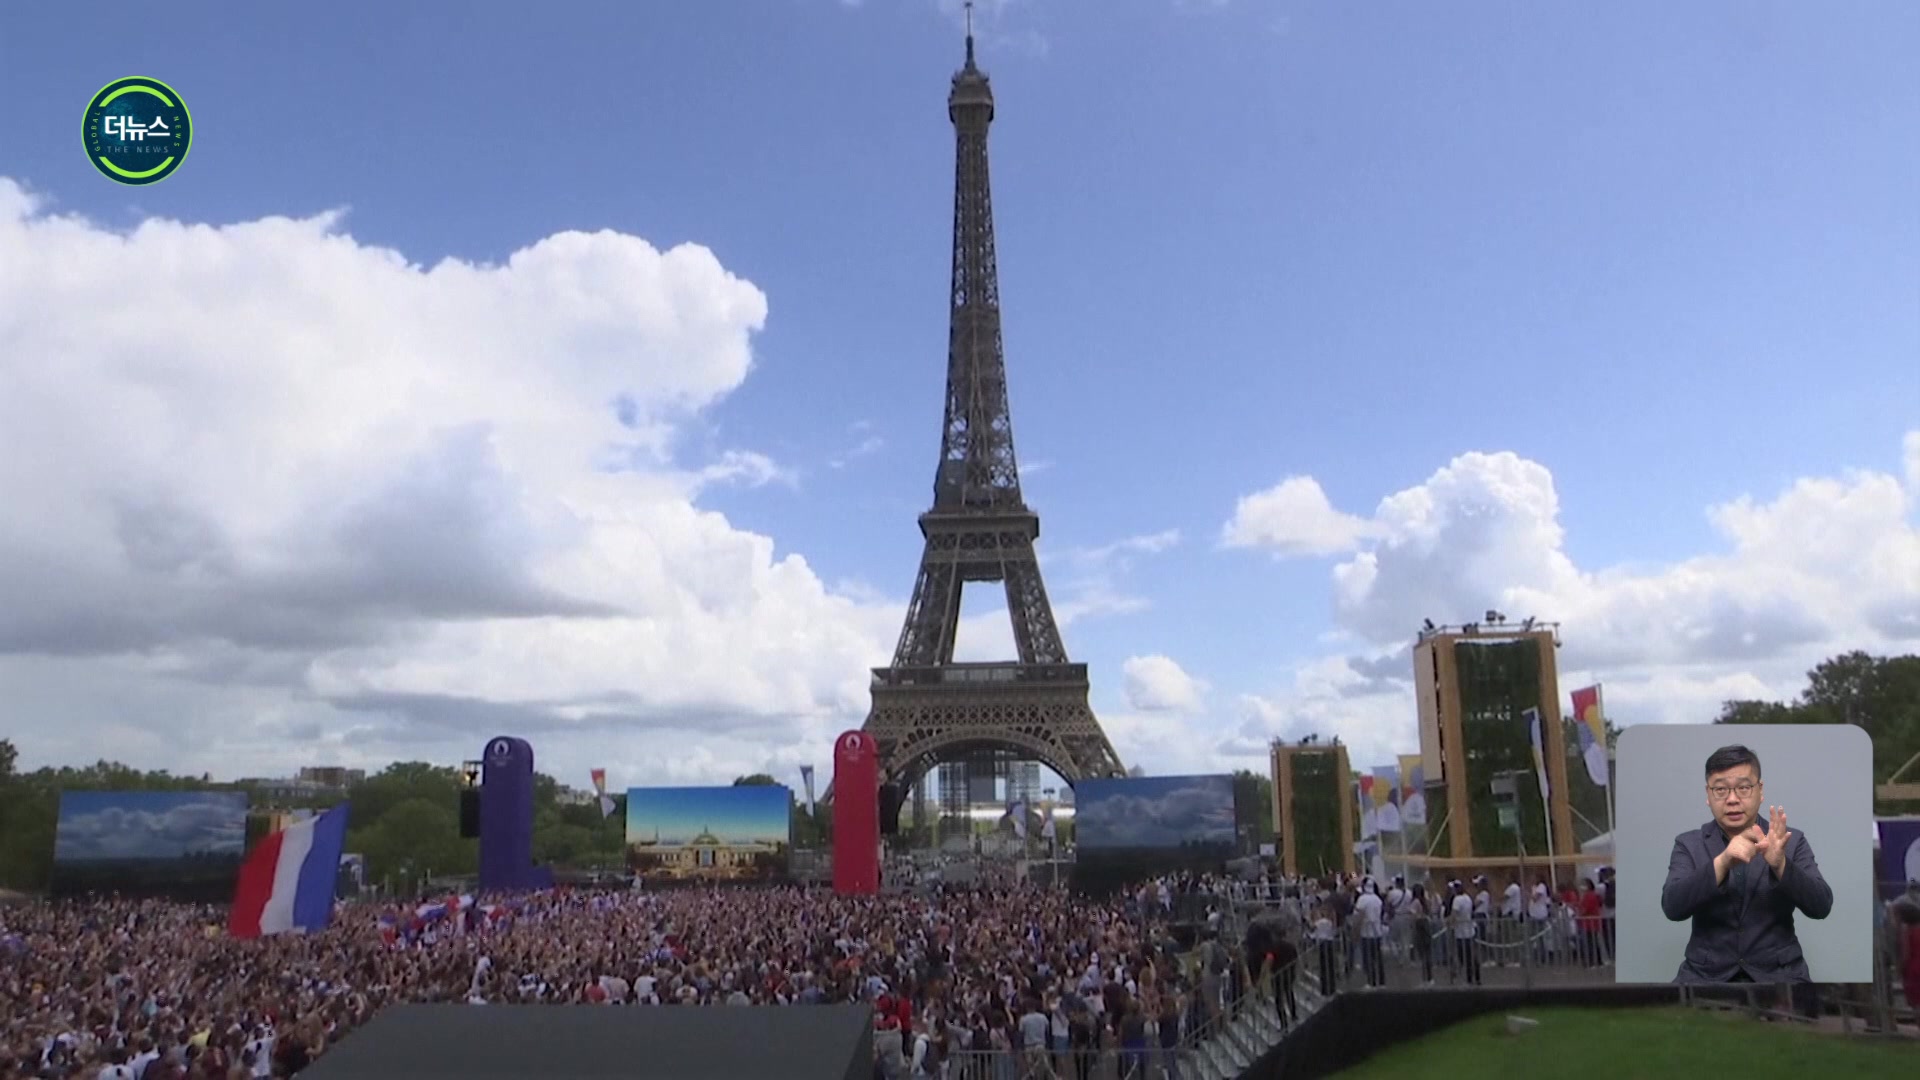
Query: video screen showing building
(710, 833)
(1128, 829)
(184, 845)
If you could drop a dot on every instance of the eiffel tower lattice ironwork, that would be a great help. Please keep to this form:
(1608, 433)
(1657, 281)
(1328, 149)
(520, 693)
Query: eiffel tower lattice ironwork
(926, 707)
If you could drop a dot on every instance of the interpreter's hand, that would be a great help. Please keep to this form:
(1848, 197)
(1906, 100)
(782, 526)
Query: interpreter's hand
(1773, 846)
(1746, 845)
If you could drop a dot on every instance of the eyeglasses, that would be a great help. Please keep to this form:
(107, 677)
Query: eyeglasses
(1743, 789)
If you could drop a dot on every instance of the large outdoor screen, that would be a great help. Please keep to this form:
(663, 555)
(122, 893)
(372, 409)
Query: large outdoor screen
(709, 833)
(182, 844)
(1128, 829)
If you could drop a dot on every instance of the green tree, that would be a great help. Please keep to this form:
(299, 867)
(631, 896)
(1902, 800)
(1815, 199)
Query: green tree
(1880, 695)
(758, 779)
(1759, 712)
(404, 781)
(413, 838)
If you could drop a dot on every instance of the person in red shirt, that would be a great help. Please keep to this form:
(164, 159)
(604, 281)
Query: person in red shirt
(1904, 919)
(1587, 906)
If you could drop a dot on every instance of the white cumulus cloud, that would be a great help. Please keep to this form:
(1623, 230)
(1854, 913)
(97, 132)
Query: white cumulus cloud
(1294, 517)
(1825, 565)
(277, 496)
(1158, 684)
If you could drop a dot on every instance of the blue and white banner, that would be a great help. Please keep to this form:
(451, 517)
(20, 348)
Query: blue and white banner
(1899, 855)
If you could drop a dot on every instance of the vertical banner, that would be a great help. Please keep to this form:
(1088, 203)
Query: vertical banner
(1386, 797)
(1592, 730)
(1413, 789)
(1539, 752)
(856, 814)
(506, 815)
(1363, 797)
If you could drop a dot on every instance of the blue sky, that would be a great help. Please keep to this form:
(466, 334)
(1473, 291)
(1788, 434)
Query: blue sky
(734, 814)
(1553, 283)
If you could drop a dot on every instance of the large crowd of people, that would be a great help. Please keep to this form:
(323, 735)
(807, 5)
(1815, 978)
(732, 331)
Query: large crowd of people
(994, 982)
(151, 990)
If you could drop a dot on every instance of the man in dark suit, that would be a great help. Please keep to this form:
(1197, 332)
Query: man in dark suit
(1740, 878)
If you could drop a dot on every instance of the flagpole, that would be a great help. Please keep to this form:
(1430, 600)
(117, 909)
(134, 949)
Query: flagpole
(1606, 754)
(1539, 738)
(1553, 867)
(1546, 813)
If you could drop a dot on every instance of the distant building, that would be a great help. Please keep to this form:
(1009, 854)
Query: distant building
(274, 788)
(331, 777)
(311, 782)
(1023, 783)
(705, 856)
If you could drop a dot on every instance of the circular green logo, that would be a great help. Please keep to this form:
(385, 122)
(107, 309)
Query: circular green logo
(137, 130)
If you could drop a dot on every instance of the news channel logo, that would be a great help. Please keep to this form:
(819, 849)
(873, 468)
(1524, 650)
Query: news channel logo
(137, 130)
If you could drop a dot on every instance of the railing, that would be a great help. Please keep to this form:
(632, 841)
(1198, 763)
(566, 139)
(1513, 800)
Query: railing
(1500, 952)
(974, 675)
(1574, 952)
(1217, 1040)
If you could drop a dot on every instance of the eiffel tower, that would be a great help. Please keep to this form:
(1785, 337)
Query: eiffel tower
(927, 708)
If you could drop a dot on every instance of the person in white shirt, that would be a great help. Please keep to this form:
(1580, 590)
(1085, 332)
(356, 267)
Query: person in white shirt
(1397, 898)
(1539, 921)
(1369, 912)
(920, 1062)
(1461, 915)
(262, 1050)
(1326, 948)
(1513, 929)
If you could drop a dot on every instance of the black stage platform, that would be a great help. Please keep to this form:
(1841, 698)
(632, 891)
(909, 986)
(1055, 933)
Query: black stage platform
(574, 1042)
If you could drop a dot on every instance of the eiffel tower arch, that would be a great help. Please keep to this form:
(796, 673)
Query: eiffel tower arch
(927, 708)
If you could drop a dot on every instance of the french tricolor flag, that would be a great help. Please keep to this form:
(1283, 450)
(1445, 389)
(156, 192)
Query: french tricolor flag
(287, 883)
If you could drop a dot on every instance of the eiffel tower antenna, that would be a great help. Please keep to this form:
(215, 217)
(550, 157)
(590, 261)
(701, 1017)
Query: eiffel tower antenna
(927, 708)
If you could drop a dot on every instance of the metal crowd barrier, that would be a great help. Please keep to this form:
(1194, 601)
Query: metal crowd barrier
(1217, 1040)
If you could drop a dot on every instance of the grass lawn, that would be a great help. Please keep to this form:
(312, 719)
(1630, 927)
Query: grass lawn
(1626, 1044)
